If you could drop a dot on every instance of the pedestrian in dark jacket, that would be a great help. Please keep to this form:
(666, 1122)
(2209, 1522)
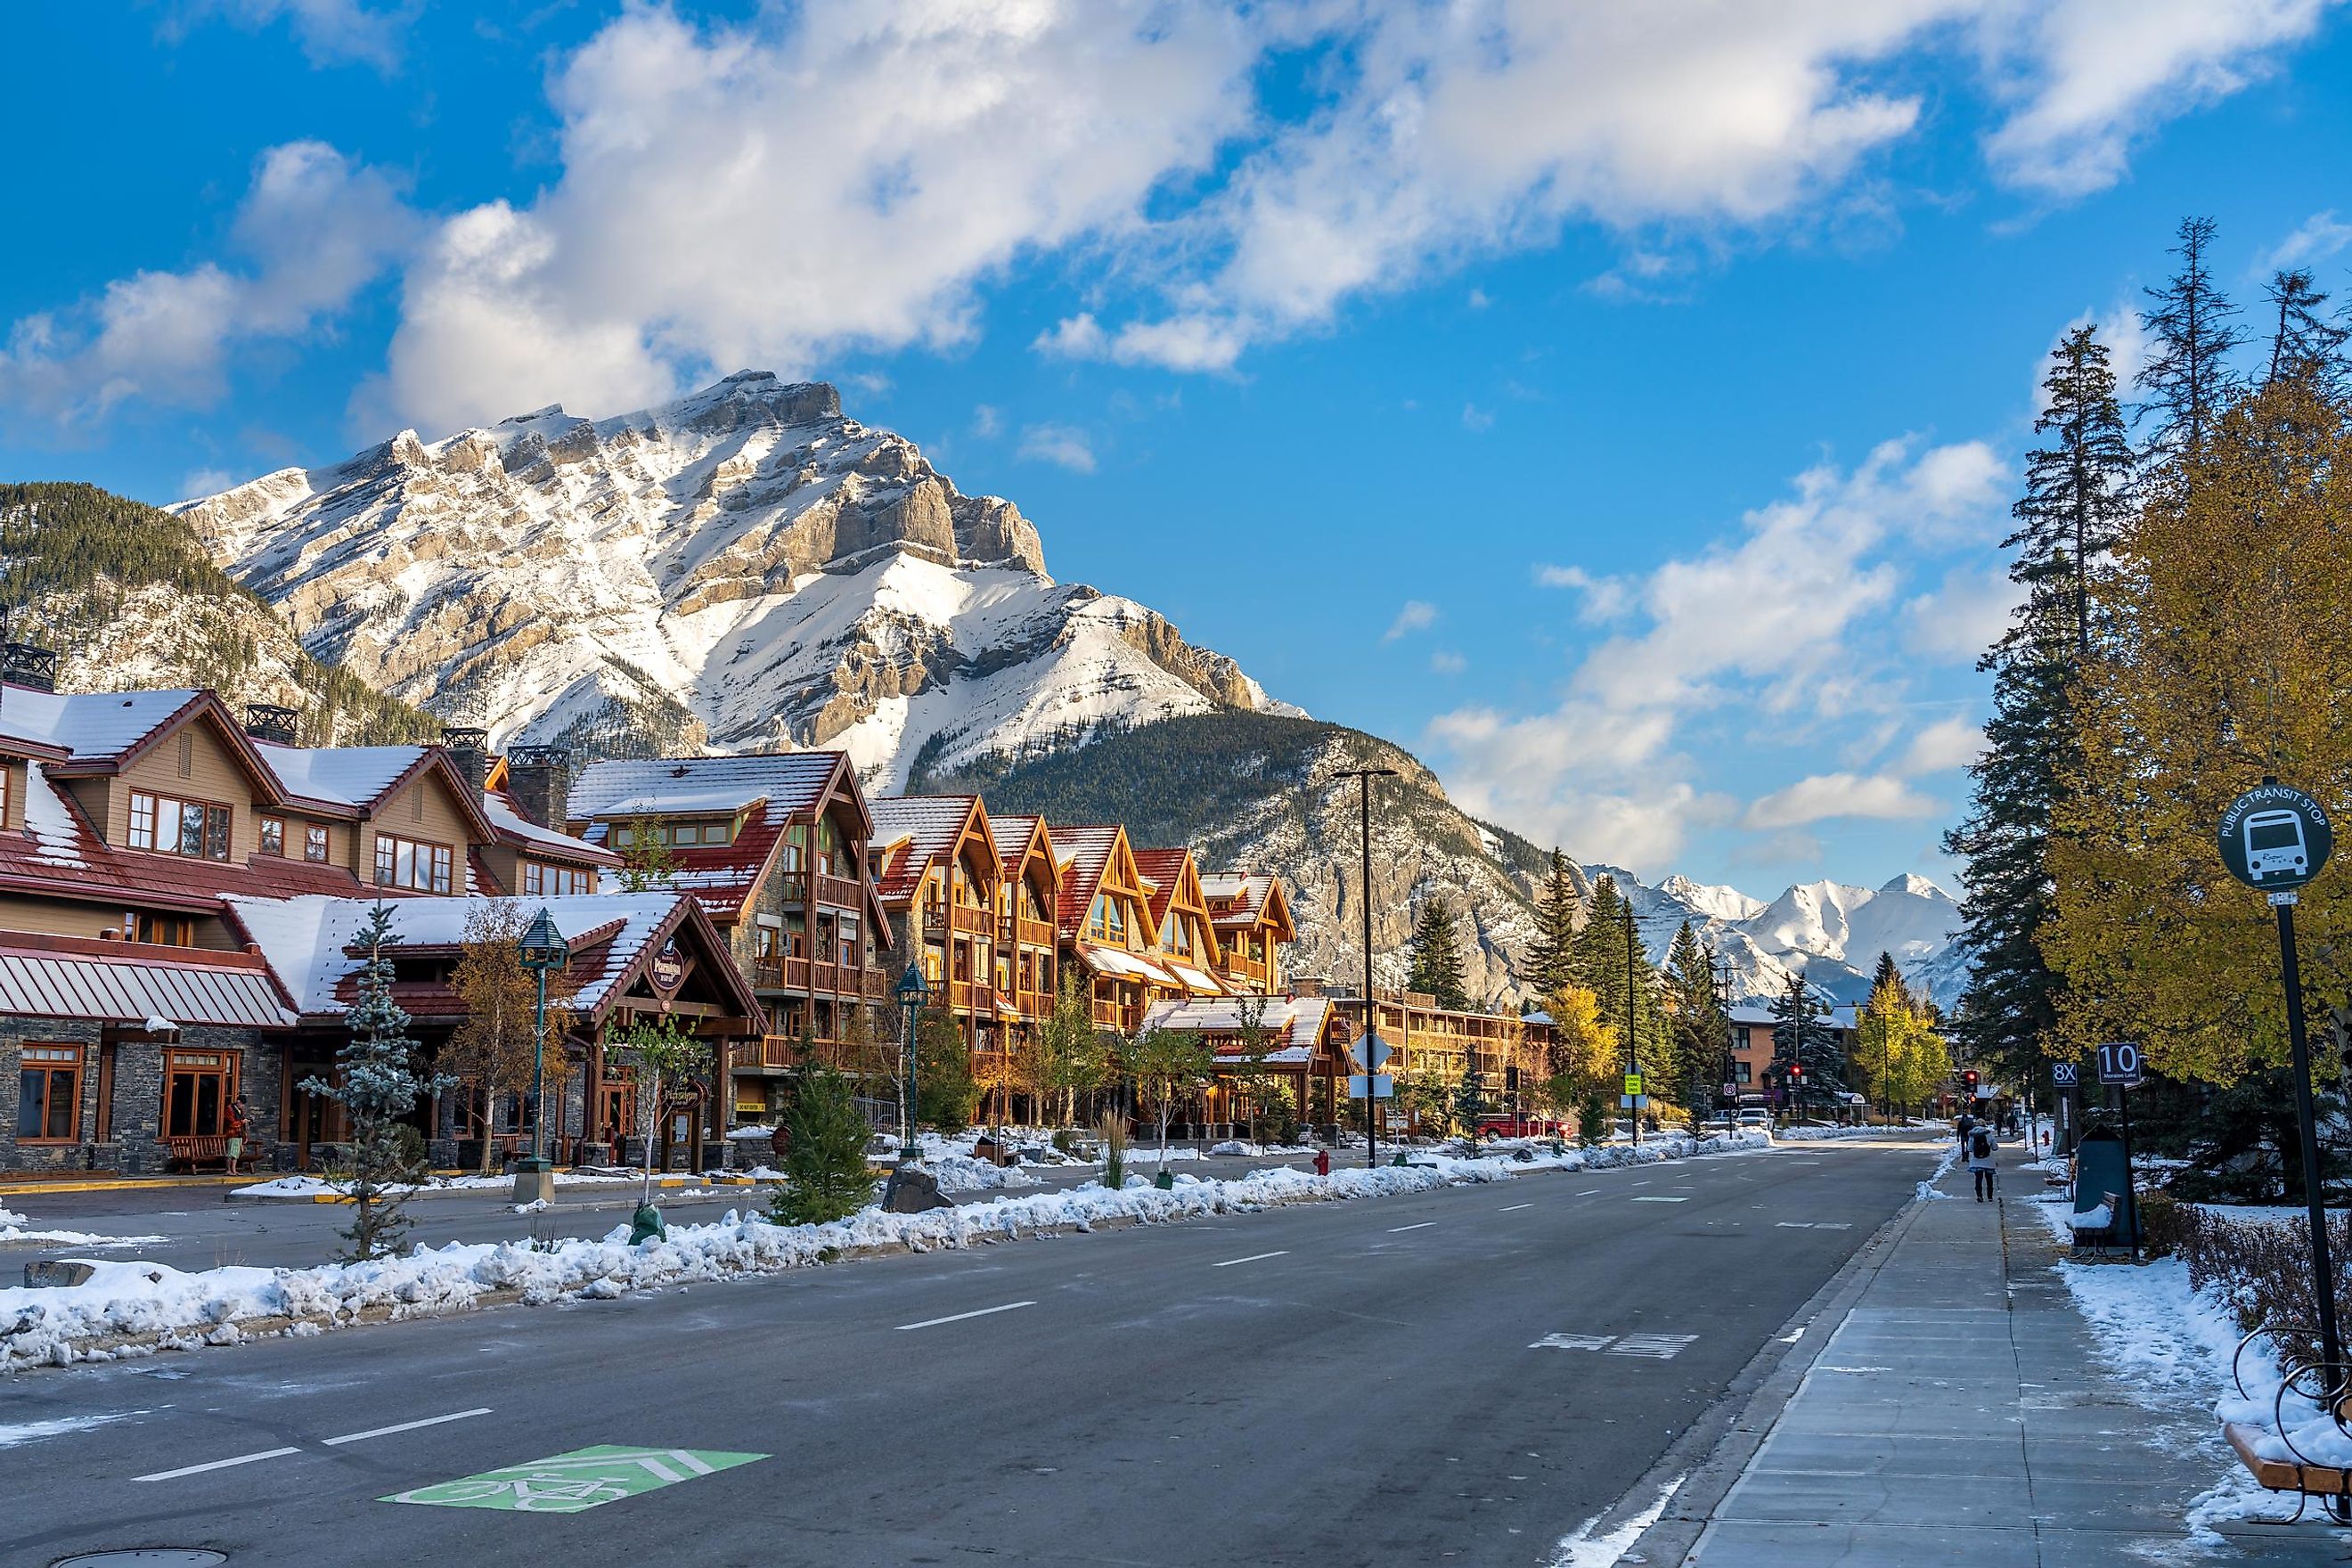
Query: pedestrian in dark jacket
(1982, 1156)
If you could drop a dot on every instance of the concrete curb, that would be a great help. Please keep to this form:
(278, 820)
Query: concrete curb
(1714, 1451)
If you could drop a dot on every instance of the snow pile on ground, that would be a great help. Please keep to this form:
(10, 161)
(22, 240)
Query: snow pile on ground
(962, 1174)
(134, 1308)
(1813, 1133)
(1927, 1190)
(319, 1187)
(16, 1229)
(2175, 1345)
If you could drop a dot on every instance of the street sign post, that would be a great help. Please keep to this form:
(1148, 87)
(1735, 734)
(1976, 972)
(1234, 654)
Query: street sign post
(2119, 1064)
(1369, 1052)
(1378, 1086)
(2066, 1078)
(2275, 838)
(2119, 1070)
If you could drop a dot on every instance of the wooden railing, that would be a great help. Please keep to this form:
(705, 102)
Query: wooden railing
(1033, 933)
(877, 984)
(782, 973)
(841, 892)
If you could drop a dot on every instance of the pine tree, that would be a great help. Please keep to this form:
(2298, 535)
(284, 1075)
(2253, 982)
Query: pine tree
(1551, 956)
(377, 1084)
(1890, 973)
(947, 1095)
(2187, 377)
(2306, 346)
(2073, 514)
(1700, 1027)
(825, 1175)
(1799, 1038)
(1433, 957)
(1470, 1098)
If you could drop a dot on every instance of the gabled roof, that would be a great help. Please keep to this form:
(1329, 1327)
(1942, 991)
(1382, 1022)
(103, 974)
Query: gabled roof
(91, 726)
(1085, 852)
(308, 941)
(1163, 871)
(1298, 1025)
(513, 827)
(1016, 838)
(770, 788)
(913, 832)
(353, 777)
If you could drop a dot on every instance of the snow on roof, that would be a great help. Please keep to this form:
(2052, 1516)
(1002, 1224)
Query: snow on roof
(1296, 1021)
(1011, 834)
(927, 823)
(1237, 898)
(1084, 850)
(305, 939)
(92, 725)
(1162, 870)
(1196, 981)
(513, 824)
(787, 781)
(1122, 964)
(355, 776)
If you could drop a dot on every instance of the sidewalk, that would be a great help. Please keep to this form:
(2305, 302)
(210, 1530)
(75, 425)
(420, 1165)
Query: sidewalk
(1960, 1413)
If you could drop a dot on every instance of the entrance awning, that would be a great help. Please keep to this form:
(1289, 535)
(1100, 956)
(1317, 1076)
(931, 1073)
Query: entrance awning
(69, 980)
(1118, 964)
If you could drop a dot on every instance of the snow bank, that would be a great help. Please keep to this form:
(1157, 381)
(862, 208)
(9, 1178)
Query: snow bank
(15, 1228)
(315, 1187)
(962, 1174)
(136, 1309)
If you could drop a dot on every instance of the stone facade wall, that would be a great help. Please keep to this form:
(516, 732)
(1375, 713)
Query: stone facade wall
(136, 1110)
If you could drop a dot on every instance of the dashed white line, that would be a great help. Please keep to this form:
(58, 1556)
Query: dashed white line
(1253, 1257)
(217, 1465)
(403, 1427)
(1424, 1225)
(1645, 1198)
(1588, 1192)
(959, 1317)
(1508, 1208)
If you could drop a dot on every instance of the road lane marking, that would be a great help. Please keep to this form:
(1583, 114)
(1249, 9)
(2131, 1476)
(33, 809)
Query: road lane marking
(1508, 1208)
(1811, 1225)
(1423, 1225)
(1253, 1257)
(1588, 1192)
(403, 1427)
(959, 1317)
(1571, 1342)
(1648, 1347)
(1646, 1199)
(217, 1465)
(581, 1480)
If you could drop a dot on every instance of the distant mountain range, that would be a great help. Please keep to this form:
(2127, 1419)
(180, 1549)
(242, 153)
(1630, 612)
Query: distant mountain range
(746, 568)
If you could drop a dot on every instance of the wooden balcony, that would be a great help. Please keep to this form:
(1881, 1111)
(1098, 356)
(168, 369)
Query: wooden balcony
(816, 977)
(1033, 933)
(840, 892)
(969, 921)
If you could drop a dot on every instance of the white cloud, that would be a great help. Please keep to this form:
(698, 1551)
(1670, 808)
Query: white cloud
(1197, 343)
(313, 229)
(1476, 418)
(200, 482)
(1061, 444)
(2086, 78)
(1826, 795)
(1605, 598)
(1445, 661)
(1957, 621)
(1479, 300)
(330, 31)
(1416, 615)
(1946, 744)
(987, 420)
(2315, 239)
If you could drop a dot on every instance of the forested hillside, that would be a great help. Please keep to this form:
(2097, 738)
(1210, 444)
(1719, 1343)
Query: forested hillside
(129, 597)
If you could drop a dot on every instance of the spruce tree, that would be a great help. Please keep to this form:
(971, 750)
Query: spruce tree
(2187, 377)
(1434, 959)
(1700, 1027)
(1551, 956)
(377, 1084)
(2305, 345)
(1888, 973)
(1800, 1039)
(1470, 1098)
(825, 1175)
(2072, 516)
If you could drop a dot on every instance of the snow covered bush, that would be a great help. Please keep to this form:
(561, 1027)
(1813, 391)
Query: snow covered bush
(2259, 1261)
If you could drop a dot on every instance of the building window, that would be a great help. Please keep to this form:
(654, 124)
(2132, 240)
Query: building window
(197, 1088)
(1743, 1072)
(192, 827)
(849, 948)
(556, 882)
(407, 863)
(314, 843)
(1108, 920)
(273, 836)
(48, 1094)
(165, 930)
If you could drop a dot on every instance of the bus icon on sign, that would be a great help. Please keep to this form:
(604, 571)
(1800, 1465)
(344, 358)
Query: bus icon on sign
(2274, 845)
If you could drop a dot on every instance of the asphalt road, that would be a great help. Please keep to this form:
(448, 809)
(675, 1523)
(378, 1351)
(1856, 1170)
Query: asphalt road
(1329, 1385)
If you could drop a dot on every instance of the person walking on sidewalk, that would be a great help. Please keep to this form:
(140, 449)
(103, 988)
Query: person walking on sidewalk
(1980, 1150)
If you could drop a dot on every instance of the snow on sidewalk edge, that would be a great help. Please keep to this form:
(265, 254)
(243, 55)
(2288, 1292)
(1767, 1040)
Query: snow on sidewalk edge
(128, 1309)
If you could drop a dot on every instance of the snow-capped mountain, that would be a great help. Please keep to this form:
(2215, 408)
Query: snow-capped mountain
(744, 568)
(1828, 931)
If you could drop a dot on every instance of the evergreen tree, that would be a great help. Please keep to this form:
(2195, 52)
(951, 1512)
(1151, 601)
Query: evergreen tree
(2187, 377)
(2077, 490)
(2306, 346)
(2072, 515)
(1433, 956)
(1700, 1027)
(825, 1175)
(1470, 1098)
(1799, 1038)
(1551, 956)
(946, 1094)
(377, 1084)
(1890, 973)
(1600, 963)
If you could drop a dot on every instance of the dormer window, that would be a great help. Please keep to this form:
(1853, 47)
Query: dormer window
(195, 828)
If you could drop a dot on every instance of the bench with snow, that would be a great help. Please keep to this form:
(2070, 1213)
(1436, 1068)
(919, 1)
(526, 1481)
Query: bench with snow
(2295, 1470)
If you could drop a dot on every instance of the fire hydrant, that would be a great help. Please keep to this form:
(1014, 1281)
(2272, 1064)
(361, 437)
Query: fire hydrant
(1322, 1162)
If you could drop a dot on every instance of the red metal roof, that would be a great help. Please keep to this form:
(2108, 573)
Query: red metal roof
(130, 982)
(1085, 852)
(930, 825)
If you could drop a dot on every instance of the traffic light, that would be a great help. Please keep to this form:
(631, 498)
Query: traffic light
(1511, 1077)
(1969, 1078)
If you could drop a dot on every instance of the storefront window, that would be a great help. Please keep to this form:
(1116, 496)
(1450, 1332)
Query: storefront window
(198, 1088)
(48, 1094)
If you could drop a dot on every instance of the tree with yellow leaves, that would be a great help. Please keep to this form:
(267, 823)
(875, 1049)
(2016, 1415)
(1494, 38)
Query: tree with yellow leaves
(1586, 1056)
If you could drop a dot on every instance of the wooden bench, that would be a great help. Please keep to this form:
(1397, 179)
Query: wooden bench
(196, 1150)
(2333, 1487)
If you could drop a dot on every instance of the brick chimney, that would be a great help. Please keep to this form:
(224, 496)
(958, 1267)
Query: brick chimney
(270, 722)
(469, 748)
(539, 780)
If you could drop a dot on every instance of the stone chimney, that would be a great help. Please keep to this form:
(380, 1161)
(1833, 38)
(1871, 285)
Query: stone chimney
(539, 780)
(469, 748)
(270, 722)
(28, 664)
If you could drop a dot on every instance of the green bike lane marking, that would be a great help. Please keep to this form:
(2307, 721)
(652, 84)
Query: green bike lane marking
(569, 1483)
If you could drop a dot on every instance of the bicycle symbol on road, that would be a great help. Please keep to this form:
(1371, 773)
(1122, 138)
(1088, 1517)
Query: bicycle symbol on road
(569, 1483)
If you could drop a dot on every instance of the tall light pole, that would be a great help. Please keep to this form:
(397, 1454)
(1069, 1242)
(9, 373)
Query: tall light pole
(1632, 1057)
(541, 948)
(1364, 777)
(913, 991)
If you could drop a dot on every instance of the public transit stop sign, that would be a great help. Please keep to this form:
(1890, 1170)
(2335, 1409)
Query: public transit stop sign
(2274, 837)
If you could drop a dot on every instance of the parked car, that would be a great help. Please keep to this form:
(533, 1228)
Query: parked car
(1756, 1119)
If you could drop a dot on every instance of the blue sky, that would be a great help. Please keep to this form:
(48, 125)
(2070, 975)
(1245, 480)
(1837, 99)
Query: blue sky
(1619, 406)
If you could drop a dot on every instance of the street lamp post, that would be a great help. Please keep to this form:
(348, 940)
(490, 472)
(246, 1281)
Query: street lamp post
(540, 948)
(913, 991)
(1364, 777)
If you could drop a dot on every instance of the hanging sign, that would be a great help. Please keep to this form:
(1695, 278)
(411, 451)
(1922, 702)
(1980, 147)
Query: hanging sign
(2274, 837)
(668, 967)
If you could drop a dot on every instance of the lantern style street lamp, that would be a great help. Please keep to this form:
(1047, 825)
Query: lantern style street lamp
(913, 991)
(540, 948)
